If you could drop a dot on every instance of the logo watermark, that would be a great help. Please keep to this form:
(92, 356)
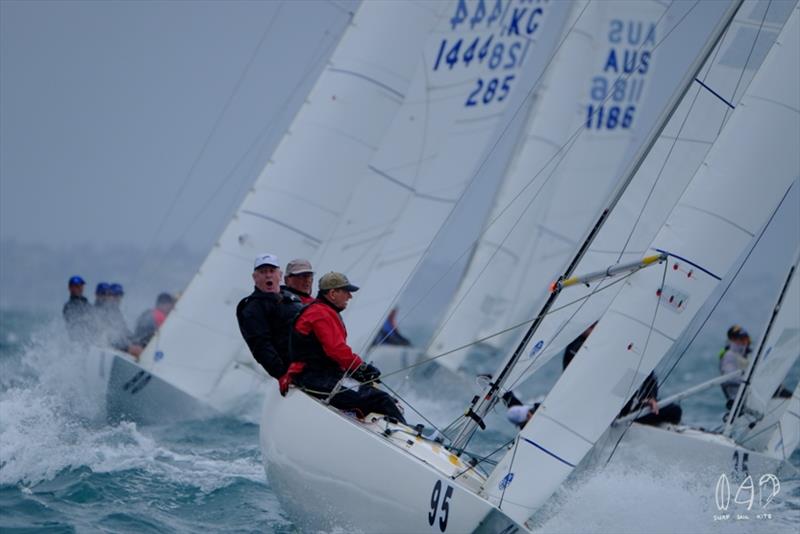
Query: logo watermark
(743, 505)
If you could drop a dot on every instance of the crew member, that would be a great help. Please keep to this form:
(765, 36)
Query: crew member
(77, 311)
(151, 320)
(299, 280)
(319, 344)
(265, 317)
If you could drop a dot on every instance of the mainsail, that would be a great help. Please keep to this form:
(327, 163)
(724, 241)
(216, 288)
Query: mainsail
(728, 201)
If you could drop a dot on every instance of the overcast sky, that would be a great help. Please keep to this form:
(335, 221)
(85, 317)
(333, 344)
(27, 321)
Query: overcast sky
(146, 122)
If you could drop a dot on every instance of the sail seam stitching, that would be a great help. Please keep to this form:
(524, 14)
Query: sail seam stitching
(280, 223)
(395, 92)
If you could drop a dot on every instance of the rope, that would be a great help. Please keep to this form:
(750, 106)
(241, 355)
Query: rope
(506, 330)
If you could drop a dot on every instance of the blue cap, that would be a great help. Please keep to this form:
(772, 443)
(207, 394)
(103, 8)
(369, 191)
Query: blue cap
(116, 289)
(103, 289)
(76, 281)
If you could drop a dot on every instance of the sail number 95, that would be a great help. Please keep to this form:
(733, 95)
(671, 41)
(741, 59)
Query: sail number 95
(493, 90)
(442, 511)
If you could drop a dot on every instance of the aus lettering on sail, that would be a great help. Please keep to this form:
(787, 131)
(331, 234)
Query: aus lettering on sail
(494, 35)
(616, 90)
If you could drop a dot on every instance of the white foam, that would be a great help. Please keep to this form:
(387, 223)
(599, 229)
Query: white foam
(619, 499)
(52, 420)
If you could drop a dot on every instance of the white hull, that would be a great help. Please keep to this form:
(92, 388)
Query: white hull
(132, 393)
(686, 449)
(331, 471)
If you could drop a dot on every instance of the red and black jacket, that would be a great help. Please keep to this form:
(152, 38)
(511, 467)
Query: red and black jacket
(319, 340)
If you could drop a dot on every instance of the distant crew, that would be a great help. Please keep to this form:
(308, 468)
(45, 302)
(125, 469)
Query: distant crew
(77, 311)
(389, 333)
(151, 320)
(111, 325)
(643, 398)
(734, 358)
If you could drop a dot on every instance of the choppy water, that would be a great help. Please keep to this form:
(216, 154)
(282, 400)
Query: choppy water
(63, 468)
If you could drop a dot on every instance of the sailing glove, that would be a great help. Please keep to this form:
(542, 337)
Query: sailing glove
(366, 372)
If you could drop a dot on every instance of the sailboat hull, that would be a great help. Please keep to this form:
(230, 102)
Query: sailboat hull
(689, 450)
(132, 393)
(332, 471)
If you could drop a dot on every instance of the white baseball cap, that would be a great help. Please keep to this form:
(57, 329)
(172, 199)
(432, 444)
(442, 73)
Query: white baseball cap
(266, 259)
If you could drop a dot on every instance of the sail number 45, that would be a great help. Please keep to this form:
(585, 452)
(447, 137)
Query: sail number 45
(442, 511)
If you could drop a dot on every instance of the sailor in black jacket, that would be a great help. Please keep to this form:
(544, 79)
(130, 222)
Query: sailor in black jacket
(265, 317)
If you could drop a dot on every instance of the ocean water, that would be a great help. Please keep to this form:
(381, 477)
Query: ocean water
(64, 468)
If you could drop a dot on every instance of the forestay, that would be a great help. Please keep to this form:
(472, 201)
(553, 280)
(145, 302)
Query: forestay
(727, 203)
(297, 200)
(662, 178)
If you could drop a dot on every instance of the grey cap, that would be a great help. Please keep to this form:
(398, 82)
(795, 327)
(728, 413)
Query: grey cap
(298, 266)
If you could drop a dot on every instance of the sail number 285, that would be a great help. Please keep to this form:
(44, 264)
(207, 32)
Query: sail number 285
(443, 511)
(495, 90)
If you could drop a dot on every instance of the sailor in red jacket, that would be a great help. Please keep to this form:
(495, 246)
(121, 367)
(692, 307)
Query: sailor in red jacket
(319, 347)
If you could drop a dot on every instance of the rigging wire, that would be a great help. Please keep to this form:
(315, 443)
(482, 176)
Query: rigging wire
(503, 331)
(190, 173)
(322, 52)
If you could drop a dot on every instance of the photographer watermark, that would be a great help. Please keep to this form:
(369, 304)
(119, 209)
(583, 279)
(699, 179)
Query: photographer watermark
(743, 504)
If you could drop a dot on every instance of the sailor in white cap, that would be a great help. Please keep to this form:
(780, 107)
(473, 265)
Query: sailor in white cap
(265, 317)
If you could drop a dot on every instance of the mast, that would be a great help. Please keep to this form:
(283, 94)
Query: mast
(481, 405)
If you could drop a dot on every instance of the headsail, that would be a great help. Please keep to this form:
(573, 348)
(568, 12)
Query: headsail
(728, 202)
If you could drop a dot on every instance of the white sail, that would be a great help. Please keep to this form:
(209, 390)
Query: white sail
(785, 437)
(762, 411)
(781, 349)
(298, 199)
(479, 66)
(727, 203)
(662, 178)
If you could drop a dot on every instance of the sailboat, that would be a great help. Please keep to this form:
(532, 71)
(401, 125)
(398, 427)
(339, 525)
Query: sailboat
(760, 433)
(395, 479)
(198, 362)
